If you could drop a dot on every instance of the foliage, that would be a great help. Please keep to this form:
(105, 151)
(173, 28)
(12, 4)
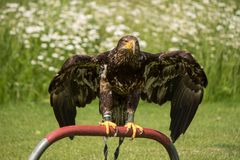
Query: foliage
(36, 37)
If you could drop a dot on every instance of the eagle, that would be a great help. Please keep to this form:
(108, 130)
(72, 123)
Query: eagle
(124, 75)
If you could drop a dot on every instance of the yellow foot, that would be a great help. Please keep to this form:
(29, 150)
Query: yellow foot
(108, 124)
(134, 127)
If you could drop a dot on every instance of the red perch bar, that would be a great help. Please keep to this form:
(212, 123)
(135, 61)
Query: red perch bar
(101, 131)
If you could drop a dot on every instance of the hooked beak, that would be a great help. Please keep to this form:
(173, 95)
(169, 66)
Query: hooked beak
(131, 46)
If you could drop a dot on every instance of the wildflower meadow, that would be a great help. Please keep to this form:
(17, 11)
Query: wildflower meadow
(37, 36)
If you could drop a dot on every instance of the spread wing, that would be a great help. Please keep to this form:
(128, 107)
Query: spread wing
(176, 77)
(76, 84)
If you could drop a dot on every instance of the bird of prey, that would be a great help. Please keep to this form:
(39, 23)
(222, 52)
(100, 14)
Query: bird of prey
(124, 75)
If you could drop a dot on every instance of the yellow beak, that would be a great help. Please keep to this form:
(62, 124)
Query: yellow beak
(130, 45)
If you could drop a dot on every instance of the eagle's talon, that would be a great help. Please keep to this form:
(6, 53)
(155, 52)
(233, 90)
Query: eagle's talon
(108, 124)
(140, 130)
(128, 129)
(116, 132)
(134, 127)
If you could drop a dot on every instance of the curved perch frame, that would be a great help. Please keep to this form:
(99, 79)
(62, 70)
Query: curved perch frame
(101, 131)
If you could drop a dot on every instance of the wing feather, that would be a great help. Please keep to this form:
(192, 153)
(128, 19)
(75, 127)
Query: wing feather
(175, 77)
(76, 84)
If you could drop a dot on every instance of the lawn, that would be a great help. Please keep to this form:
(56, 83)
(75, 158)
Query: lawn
(213, 134)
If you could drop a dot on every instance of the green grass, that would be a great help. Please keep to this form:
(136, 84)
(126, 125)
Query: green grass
(214, 133)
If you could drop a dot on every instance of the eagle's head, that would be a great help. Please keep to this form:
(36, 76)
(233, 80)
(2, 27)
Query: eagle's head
(128, 44)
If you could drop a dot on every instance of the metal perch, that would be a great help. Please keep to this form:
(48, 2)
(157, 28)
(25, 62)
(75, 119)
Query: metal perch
(100, 131)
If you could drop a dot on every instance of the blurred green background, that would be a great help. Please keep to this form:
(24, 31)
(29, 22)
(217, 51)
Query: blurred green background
(37, 36)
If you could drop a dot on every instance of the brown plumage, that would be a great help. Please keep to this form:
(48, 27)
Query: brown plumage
(120, 77)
